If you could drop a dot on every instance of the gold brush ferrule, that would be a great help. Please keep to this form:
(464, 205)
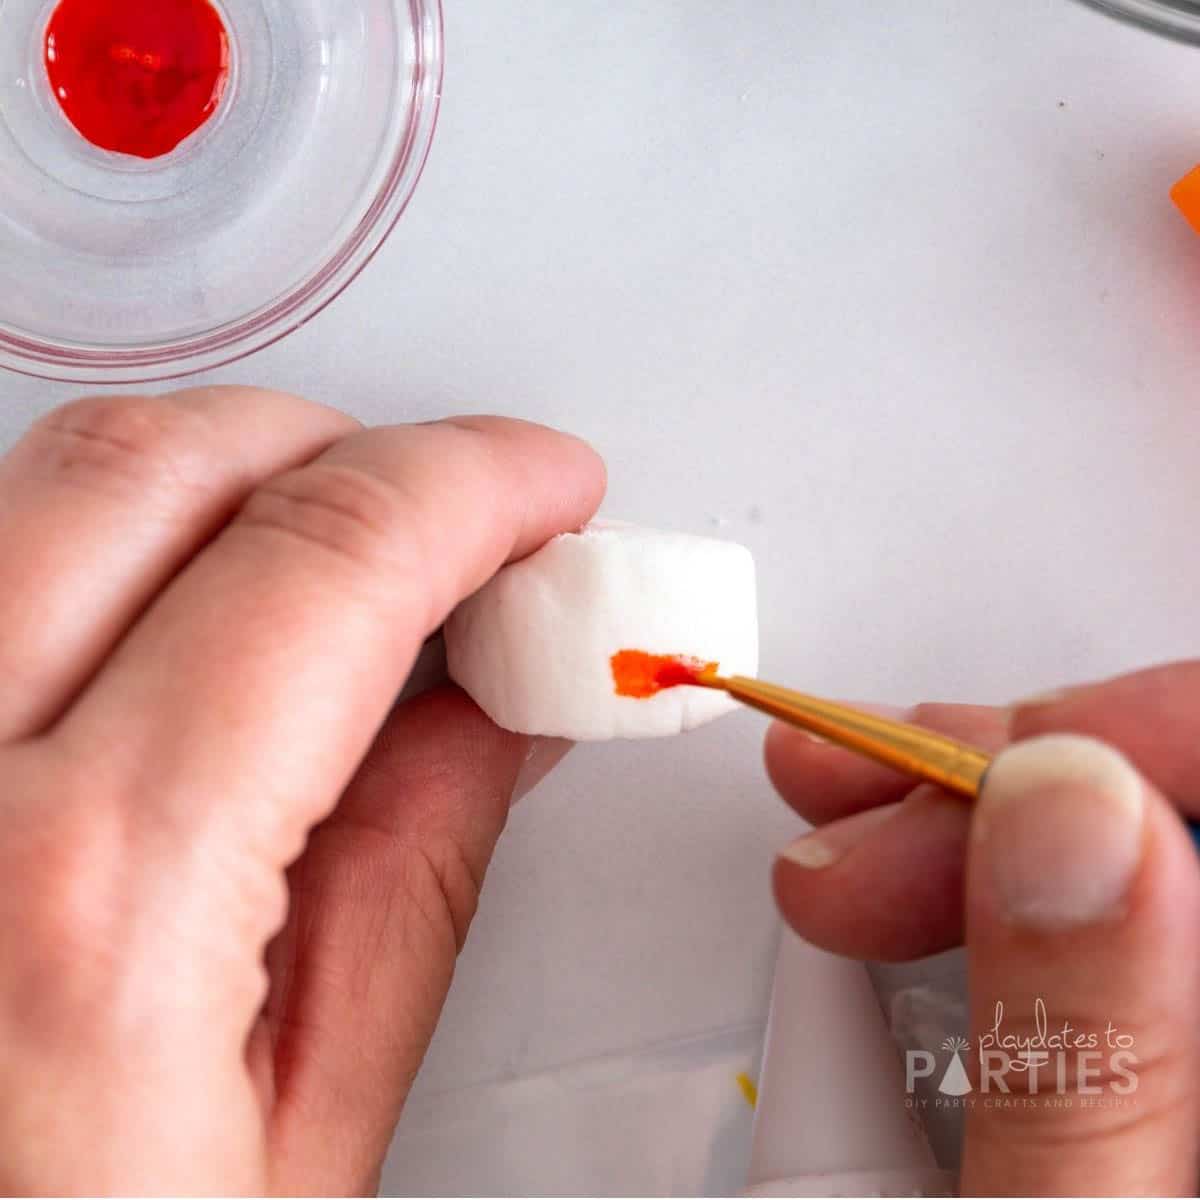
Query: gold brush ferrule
(951, 764)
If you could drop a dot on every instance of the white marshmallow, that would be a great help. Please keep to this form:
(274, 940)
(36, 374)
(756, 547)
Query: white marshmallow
(533, 646)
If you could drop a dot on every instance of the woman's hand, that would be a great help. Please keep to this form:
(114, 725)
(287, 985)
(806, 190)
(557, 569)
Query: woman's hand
(1074, 884)
(208, 604)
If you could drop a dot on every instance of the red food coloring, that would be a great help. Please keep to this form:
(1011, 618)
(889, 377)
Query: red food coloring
(137, 76)
(641, 675)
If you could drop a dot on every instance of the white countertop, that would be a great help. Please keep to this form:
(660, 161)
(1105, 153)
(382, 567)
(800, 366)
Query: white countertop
(894, 294)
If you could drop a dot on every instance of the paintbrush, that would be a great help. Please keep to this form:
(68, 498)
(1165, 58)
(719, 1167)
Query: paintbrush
(918, 752)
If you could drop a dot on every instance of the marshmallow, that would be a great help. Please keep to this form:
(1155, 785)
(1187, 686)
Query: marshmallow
(534, 647)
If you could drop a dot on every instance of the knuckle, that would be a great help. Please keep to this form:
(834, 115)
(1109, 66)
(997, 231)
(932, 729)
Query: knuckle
(70, 867)
(1049, 1130)
(247, 890)
(61, 911)
(338, 511)
(123, 444)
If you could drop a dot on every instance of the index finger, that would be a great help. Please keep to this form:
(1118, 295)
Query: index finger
(246, 696)
(1152, 716)
(824, 782)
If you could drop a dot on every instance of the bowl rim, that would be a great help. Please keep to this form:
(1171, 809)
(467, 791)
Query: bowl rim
(275, 321)
(1177, 20)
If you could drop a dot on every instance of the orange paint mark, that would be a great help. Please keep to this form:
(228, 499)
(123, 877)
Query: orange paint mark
(641, 675)
(1186, 195)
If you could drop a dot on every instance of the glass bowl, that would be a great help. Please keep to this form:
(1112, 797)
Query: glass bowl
(120, 269)
(1175, 18)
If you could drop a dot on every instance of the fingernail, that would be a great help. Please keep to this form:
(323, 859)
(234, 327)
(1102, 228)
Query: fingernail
(809, 736)
(1045, 700)
(1059, 824)
(831, 844)
(543, 756)
(1042, 698)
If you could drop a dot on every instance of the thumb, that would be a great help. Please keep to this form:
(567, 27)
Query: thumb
(1083, 924)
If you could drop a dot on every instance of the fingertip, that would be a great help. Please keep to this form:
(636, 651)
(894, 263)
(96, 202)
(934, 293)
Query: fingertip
(799, 769)
(591, 468)
(820, 780)
(783, 745)
(1083, 892)
(518, 427)
(885, 884)
(594, 475)
(1058, 831)
(269, 405)
(567, 472)
(1046, 712)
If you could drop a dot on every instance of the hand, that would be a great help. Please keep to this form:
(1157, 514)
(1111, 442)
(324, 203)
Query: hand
(1076, 885)
(208, 604)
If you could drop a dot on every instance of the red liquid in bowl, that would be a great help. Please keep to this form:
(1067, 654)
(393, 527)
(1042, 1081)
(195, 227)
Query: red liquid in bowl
(137, 76)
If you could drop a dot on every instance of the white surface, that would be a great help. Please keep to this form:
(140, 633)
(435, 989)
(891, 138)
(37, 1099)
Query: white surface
(666, 1120)
(894, 291)
(533, 647)
(831, 1104)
